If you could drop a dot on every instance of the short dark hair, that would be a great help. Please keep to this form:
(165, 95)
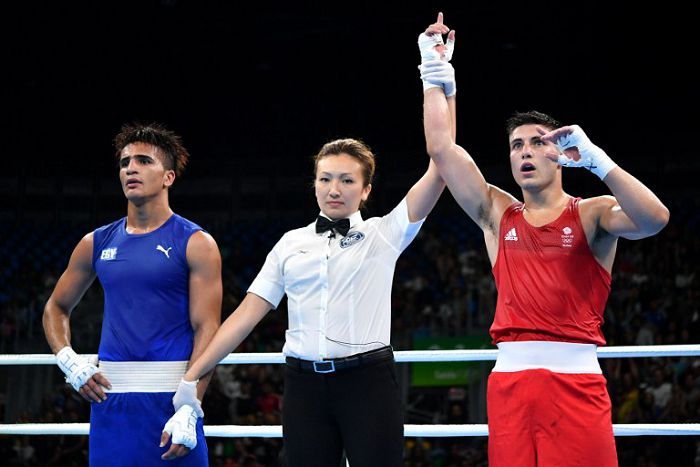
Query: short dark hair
(174, 153)
(532, 117)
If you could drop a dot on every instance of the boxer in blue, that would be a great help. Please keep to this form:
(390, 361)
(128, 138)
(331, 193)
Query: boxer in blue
(161, 276)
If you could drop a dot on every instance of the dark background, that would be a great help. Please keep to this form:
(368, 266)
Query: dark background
(255, 88)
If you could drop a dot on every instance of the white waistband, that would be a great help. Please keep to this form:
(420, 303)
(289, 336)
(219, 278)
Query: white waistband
(559, 357)
(143, 376)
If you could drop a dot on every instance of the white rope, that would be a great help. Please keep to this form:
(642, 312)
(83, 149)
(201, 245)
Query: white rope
(403, 356)
(275, 431)
(638, 351)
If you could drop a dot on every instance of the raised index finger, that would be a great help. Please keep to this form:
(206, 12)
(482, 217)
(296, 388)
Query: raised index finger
(441, 25)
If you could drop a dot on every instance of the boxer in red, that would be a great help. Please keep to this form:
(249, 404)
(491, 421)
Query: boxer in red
(552, 254)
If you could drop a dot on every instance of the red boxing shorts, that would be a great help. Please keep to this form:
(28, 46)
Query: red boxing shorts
(541, 418)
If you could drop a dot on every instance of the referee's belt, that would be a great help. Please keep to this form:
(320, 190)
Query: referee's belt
(339, 364)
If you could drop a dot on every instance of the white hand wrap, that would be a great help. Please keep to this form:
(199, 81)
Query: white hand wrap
(183, 427)
(186, 395)
(439, 73)
(427, 44)
(432, 73)
(78, 369)
(592, 157)
(449, 49)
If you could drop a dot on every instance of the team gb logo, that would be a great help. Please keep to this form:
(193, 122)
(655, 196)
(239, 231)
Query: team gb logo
(567, 238)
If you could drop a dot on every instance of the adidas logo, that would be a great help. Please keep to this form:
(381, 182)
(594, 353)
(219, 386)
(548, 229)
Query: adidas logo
(511, 235)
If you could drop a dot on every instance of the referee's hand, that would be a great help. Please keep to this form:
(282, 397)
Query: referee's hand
(183, 428)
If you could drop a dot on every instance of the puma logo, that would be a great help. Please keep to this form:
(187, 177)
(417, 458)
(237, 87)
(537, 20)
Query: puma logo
(165, 252)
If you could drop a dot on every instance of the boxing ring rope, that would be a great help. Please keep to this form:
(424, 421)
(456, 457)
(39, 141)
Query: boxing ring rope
(404, 356)
(275, 431)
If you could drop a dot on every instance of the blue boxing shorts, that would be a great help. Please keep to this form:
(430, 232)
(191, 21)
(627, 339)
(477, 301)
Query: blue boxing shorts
(125, 430)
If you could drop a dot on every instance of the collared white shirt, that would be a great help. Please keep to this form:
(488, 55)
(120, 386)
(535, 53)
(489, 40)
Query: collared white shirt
(338, 289)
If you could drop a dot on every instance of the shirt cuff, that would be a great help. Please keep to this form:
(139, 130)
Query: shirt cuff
(409, 229)
(268, 291)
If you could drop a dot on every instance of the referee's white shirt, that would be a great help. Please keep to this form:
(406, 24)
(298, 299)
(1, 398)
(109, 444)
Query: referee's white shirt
(338, 289)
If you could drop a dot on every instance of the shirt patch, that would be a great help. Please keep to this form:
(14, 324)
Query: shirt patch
(351, 238)
(567, 237)
(108, 254)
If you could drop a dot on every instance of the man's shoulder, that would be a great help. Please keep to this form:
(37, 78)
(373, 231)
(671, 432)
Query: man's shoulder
(596, 204)
(185, 223)
(109, 227)
(602, 199)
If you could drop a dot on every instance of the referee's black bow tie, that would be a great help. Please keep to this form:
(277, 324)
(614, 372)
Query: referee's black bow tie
(342, 226)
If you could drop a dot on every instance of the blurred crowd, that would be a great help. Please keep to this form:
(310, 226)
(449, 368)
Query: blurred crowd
(443, 288)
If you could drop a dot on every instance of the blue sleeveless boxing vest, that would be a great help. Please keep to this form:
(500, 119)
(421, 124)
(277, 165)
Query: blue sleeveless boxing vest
(145, 278)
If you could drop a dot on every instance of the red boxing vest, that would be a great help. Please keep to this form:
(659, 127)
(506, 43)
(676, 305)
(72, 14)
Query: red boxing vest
(550, 286)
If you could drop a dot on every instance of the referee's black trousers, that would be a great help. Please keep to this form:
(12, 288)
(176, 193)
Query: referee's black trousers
(356, 409)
